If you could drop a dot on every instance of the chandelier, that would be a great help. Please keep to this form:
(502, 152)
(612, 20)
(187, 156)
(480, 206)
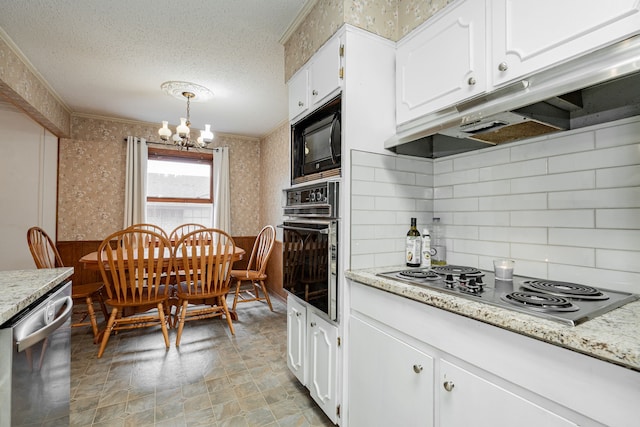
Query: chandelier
(182, 137)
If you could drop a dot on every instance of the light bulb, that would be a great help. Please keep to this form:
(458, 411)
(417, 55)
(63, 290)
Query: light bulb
(183, 130)
(164, 131)
(206, 135)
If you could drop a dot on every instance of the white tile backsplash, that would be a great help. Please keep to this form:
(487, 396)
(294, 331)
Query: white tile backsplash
(564, 206)
(618, 177)
(558, 182)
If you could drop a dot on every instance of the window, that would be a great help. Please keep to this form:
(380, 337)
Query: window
(179, 188)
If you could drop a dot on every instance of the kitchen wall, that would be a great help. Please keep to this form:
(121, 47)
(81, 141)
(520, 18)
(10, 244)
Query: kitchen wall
(91, 178)
(274, 175)
(565, 207)
(20, 85)
(28, 167)
(392, 19)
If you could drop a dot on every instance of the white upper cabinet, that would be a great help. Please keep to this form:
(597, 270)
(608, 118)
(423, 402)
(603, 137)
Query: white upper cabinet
(443, 62)
(318, 80)
(299, 93)
(475, 46)
(325, 72)
(528, 37)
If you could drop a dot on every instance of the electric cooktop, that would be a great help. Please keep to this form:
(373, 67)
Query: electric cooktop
(565, 302)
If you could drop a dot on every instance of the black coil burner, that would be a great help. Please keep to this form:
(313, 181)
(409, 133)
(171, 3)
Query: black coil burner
(419, 274)
(540, 302)
(564, 289)
(456, 270)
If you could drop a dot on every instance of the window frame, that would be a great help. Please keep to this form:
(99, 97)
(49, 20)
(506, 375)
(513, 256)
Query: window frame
(154, 153)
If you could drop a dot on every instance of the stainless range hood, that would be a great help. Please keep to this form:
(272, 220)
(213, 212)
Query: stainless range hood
(599, 87)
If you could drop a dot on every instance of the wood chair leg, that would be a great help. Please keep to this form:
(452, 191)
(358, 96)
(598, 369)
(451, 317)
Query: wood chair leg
(266, 294)
(103, 306)
(225, 308)
(163, 324)
(182, 309)
(92, 318)
(107, 331)
(235, 298)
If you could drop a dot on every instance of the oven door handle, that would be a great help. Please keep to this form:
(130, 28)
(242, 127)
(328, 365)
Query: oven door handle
(313, 230)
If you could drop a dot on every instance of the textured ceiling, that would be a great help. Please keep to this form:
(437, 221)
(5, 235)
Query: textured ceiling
(109, 58)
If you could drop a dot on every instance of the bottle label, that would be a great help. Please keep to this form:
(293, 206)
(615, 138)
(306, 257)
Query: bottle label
(413, 251)
(438, 255)
(426, 253)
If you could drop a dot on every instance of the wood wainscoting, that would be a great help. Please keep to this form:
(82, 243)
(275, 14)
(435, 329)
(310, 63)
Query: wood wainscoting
(72, 251)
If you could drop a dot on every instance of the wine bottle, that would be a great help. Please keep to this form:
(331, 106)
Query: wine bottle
(413, 252)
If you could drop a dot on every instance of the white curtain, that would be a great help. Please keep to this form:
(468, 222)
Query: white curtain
(135, 193)
(221, 193)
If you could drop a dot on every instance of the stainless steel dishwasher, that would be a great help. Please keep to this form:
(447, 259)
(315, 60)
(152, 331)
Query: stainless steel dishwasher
(35, 362)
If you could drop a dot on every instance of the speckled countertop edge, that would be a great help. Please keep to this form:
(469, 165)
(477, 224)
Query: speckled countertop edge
(613, 336)
(20, 288)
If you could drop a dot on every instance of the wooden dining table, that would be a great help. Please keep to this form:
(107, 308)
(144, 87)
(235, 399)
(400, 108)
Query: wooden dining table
(90, 262)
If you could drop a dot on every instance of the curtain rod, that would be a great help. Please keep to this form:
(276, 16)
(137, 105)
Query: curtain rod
(167, 145)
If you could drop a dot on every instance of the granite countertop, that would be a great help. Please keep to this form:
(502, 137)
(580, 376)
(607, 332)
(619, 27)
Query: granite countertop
(22, 287)
(613, 336)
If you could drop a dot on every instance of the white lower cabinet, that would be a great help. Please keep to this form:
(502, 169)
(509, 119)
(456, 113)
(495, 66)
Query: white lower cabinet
(297, 339)
(322, 353)
(467, 399)
(410, 364)
(312, 354)
(390, 382)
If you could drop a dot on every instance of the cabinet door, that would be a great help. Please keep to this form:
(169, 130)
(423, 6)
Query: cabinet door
(323, 348)
(528, 37)
(299, 93)
(467, 399)
(296, 339)
(443, 63)
(390, 382)
(325, 72)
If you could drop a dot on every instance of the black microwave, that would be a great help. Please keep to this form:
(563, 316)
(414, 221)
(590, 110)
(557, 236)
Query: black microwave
(316, 144)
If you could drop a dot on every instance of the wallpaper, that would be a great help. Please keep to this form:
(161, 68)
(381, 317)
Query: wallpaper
(25, 90)
(392, 19)
(412, 13)
(275, 176)
(91, 178)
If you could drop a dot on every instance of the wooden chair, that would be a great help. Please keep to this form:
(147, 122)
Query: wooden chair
(183, 229)
(206, 256)
(149, 227)
(255, 272)
(46, 255)
(136, 281)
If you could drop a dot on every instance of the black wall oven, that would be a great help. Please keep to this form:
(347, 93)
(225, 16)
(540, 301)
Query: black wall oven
(316, 146)
(310, 246)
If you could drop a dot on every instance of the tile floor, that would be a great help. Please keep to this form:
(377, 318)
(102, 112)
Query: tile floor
(212, 379)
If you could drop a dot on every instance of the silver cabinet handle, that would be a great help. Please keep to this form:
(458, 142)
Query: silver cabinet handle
(314, 92)
(298, 314)
(471, 81)
(300, 104)
(448, 385)
(417, 368)
(312, 324)
(503, 66)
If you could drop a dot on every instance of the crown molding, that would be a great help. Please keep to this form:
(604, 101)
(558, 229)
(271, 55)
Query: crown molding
(30, 67)
(296, 22)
